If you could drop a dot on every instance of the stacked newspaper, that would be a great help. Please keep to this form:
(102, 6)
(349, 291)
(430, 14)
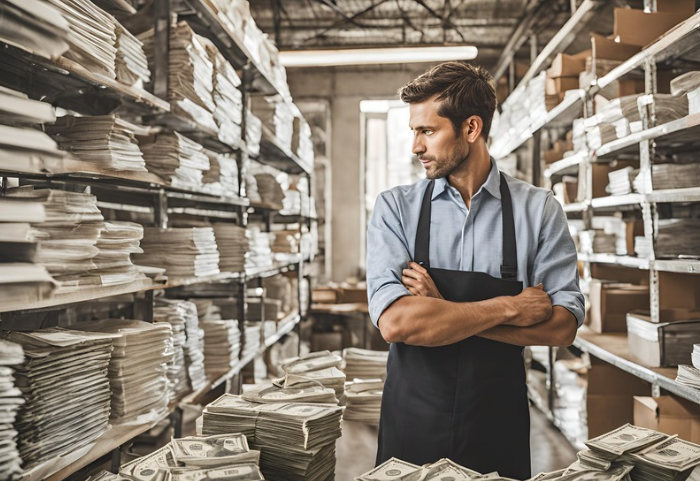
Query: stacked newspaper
(222, 346)
(141, 354)
(364, 363)
(11, 355)
(117, 242)
(166, 311)
(107, 141)
(233, 245)
(36, 26)
(132, 63)
(228, 99)
(92, 44)
(184, 313)
(183, 252)
(16, 108)
(222, 177)
(67, 402)
(28, 150)
(175, 158)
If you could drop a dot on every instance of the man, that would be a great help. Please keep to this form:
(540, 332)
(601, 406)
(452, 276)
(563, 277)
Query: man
(451, 265)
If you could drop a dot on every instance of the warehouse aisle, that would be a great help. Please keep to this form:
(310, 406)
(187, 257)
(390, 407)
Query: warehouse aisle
(358, 446)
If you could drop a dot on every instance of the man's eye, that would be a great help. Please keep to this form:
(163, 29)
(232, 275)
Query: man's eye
(428, 132)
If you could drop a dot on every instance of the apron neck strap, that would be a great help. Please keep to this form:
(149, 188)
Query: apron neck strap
(509, 268)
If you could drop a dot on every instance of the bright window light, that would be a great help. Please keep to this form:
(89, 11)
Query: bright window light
(327, 58)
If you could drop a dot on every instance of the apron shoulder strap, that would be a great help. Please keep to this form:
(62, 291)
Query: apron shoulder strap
(421, 254)
(509, 268)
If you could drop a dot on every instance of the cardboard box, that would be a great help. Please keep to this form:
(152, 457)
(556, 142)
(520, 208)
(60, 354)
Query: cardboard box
(668, 414)
(622, 88)
(679, 296)
(353, 295)
(599, 175)
(608, 49)
(326, 341)
(620, 274)
(325, 295)
(610, 302)
(555, 86)
(633, 228)
(565, 65)
(666, 344)
(686, 7)
(637, 27)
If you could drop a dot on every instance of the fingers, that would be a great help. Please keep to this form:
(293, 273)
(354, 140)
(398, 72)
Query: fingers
(411, 273)
(539, 286)
(417, 267)
(410, 281)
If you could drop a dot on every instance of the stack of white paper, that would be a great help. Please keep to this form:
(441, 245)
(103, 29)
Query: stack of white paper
(166, 312)
(222, 177)
(28, 150)
(175, 158)
(233, 246)
(227, 98)
(222, 346)
(117, 242)
(35, 25)
(132, 63)
(184, 252)
(253, 133)
(260, 253)
(11, 355)
(16, 108)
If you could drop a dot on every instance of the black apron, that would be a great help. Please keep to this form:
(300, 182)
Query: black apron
(466, 401)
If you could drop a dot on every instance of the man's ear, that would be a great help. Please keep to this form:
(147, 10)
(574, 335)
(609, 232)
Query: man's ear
(472, 127)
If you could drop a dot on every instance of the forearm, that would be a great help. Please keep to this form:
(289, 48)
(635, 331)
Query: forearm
(558, 330)
(427, 321)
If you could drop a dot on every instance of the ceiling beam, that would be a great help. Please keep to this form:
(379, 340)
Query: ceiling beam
(349, 19)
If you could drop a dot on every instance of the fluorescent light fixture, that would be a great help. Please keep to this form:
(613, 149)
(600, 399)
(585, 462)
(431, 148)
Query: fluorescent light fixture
(364, 56)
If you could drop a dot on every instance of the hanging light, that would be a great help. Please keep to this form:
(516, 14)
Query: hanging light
(365, 56)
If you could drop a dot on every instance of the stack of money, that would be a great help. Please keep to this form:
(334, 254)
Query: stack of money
(444, 469)
(11, 355)
(93, 37)
(104, 476)
(330, 378)
(688, 376)
(231, 414)
(222, 346)
(107, 141)
(66, 403)
(253, 133)
(68, 236)
(185, 313)
(183, 252)
(363, 401)
(227, 97)
(252, 333)
(132, 63)
(314, 361)
(259, 253)
(298, 392)
(190, 74)
(222, 177)
(364, 363)
(233, 245)
(214, 451)
(117, 242)
(270, 190)
(166, 311)
(175, 158)
(138, 368)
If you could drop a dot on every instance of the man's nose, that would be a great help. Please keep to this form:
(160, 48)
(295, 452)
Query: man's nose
(418, 147)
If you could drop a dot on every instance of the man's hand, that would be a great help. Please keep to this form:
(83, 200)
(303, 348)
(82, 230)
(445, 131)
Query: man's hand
(418, 281)
(532, 306)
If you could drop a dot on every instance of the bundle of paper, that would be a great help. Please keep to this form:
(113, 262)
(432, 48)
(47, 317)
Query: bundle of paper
(285, 242)
(600, 135)
(616, 109)
(620, 181)
(233, 245)
(675, 176)
(92, 44)
(251, 342)
(222, 346)
(270, 190)
(28, 150)
(677, 237)
(667, 108)
(253, 133)
(685, 83)
(138, 368)
(222, 177)
(259, 253)
(25, 283)
(304, 391)
(255, 307)
(302, 142)
(277, 116)
(16, 108)
(175, 158)
(190, 74)
(364, 363)
(36, 26)
(11, 355)
(105, 140)
(183, 314)
(67, 402)
(363, 401)
(228, 113)
(251, 187)
(131, 63)
(117, 242)
(331, 378)
(177, 368)
(291, 204)
(688, 376)
(184, 252)
(18, 239)
(314, 361)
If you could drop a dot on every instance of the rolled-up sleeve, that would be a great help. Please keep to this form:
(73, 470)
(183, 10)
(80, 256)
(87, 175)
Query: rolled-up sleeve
(555, 265)
(387, 255)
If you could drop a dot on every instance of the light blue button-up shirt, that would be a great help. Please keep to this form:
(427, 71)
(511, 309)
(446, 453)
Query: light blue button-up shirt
(472, 239)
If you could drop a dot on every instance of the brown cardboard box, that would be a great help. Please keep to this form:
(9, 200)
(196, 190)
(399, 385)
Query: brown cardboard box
(633, 228)
(622, 88)
(558, 85)
(610, 302)
(637, 27)
(352, 295)
(686, 7)
(565, 65)
(679, 296)
(620, 274)
(668, 414)
(325, 295)
(666, 344)
(608, 49)
(609, 401)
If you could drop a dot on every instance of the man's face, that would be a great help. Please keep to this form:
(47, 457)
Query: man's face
(435, 141)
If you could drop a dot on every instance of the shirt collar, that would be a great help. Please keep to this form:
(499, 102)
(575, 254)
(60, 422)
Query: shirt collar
(492, 184)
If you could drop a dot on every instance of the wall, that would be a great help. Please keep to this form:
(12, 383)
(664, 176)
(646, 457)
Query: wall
(344, 88)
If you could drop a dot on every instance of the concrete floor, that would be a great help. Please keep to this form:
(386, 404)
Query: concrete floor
(357, 449)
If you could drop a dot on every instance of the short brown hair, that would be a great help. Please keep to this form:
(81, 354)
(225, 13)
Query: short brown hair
(463, 90)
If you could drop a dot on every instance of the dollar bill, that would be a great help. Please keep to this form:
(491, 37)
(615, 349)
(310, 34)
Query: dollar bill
(312, 362)
(242, 472)
(214, 450)
(674, 454)
(624, 439)
(300, 392)
(548, 476)
(589, 460)
(444, 463)
(392, 470)
(153, 467)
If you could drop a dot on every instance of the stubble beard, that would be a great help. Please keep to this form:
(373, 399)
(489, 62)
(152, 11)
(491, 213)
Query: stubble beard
(443, 168)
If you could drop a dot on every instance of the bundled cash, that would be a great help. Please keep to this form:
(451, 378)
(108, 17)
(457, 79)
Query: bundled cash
(11, 355)
(175, 158)
(222, 177)
(93, 39)
(260, 253)
(301, 392)
(182, 315)
(364, 363)
(228, 99)
(107, 141)
(624, 439)
(231, 414)
(363, 401)
(184, 252)
(37, 26)
(331, 377)
(314, 361)
(393, 469)
(132, 63)
(233, 245)
(210, 451)
(155, 466)
(239, 472)
(222, 346)
(64, 383)
(138, 367)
